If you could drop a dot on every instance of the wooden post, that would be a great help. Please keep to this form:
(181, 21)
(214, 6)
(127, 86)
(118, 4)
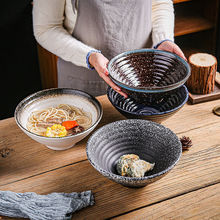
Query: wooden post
(48, 68)
(203, 73)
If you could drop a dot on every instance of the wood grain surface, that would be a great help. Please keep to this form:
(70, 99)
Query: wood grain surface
(190, 23)
(196, 98)
(194, 171)
(202, 78)
(33, 167)
(188, 206)
(180, 1)
(29, 157)
(32, 158)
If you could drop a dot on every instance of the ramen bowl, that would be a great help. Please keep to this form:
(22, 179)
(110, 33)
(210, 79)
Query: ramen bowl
(144, 71)
(53, 97)
(158, 107)
(151, 141)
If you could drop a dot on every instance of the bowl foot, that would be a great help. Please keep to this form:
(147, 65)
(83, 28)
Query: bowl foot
(60, 148)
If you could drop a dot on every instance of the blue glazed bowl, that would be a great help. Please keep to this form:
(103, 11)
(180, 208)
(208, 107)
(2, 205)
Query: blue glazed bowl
(149, 140)
(144, 71)
(158, 107)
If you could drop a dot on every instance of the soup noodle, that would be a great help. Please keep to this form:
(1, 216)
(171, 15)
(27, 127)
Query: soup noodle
(41, 119)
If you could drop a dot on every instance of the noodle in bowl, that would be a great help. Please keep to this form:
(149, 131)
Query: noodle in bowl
(56, 106)
(40, 120)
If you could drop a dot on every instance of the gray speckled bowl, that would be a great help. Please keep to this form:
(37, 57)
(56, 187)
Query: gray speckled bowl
(149, 140)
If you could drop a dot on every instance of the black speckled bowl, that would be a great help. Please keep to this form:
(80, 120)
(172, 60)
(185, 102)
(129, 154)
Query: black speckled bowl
(158, 107)
(150, 141)
(140, 72)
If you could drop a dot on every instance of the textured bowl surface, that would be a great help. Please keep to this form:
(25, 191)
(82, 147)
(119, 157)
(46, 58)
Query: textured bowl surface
(51, 98)
(158, 106)
(150, 141)
(148, 71)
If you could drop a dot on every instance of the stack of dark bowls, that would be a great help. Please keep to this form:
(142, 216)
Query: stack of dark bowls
(154, 81)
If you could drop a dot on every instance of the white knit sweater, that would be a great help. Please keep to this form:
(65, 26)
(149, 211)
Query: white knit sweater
(53, 30)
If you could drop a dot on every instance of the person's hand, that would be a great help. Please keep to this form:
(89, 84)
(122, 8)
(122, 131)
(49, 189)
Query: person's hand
(171, 47)
(99, 62)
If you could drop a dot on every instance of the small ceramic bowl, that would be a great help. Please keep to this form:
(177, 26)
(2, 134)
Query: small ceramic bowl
(53, 97)
(159, 106)
(150, 141)
(144, 71)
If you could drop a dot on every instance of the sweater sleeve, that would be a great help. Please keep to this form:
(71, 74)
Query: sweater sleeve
(162, 21)
(48, 18)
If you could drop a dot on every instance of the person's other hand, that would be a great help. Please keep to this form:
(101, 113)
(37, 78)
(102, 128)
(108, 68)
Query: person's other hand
(99, 62)
(171, 47)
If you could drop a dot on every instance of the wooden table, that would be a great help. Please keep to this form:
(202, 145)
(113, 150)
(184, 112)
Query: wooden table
(190, 190)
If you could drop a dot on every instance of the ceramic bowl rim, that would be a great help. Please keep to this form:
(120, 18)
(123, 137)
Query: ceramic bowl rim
(57, 89)
(150, 89)
(116, 176)
(153, 113)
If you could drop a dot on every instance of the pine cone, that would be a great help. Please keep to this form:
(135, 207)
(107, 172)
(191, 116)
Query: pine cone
(186, 142)
(4, 152)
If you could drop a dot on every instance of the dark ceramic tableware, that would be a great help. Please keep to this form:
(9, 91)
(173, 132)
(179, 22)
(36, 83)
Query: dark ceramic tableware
(159, 106)
(149, 140)
(144, 71)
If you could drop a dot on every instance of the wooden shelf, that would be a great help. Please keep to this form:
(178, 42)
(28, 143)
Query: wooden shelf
(180, 1)
(195, 43)
(189, 23)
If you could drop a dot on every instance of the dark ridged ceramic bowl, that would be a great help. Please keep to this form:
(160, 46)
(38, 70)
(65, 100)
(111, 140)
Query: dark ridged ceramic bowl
(144, 71)
(158, 107)
(149, 140)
